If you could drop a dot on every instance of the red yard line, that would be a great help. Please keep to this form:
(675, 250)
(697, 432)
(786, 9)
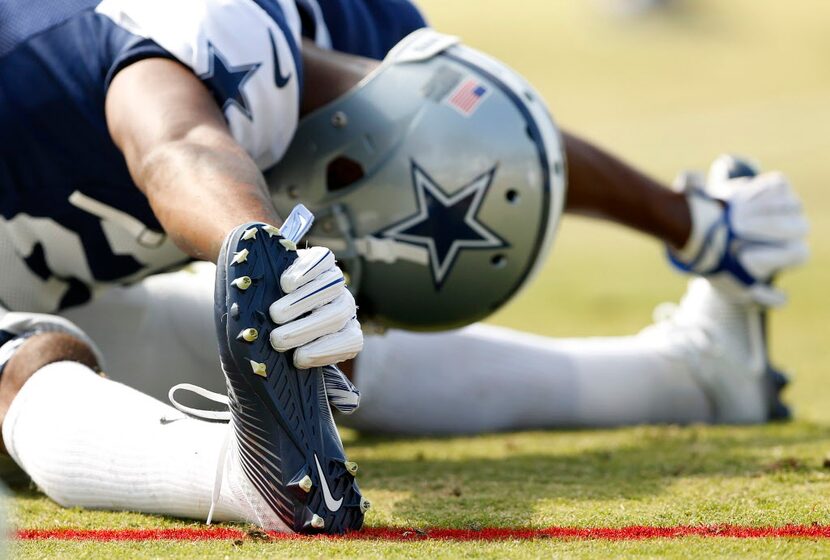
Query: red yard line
(402, 534)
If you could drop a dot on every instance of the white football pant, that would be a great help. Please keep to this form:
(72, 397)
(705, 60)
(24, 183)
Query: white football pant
(482, 378)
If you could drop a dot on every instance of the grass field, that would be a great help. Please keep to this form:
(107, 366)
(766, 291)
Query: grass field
(666, 92)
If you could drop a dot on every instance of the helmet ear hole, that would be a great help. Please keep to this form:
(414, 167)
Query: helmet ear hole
(498, 261)
(342, 172)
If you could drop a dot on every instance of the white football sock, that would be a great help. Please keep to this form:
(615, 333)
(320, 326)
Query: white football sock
(485, 378)
(90, 442)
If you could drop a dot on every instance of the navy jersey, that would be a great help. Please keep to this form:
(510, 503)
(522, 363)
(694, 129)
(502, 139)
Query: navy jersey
(71, 219)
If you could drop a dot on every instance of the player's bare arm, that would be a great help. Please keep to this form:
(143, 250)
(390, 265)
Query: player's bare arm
(199, 181)
(602, 186)
(178, 147)
(698, 220)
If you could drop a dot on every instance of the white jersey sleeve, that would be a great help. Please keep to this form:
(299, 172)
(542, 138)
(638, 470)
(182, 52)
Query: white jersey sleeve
(246, 51)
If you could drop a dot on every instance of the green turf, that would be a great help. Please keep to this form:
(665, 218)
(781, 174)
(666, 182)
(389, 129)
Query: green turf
(667, 92)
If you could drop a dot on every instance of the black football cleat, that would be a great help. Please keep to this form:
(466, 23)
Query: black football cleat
(287, 441)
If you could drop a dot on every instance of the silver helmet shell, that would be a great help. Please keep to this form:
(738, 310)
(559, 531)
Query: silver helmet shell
(438, 182)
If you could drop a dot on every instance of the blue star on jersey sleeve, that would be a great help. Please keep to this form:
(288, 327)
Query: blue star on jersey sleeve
(227, 82)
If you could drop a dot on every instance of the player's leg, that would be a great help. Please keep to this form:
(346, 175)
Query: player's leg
(477, 379)
(157, 332)
(706, 363)
(169, 337)
(279, 462)
(37, 352)
(88, 441)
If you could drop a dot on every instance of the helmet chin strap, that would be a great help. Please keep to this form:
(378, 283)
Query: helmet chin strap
(373, 249)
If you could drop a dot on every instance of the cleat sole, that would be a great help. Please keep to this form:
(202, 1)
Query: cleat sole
(289, 446)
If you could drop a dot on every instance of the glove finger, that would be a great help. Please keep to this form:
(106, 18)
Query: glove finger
(316, 293)
(759, 293)
(753, 190)
(771, 183)
(767, 296)
(764, 203)
(309, 264)
(763, 261)
(766, 188)
(327, 319)
(331, 349)
(767, 208)
(777, 228)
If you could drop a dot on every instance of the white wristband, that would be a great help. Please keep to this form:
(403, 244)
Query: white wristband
(704, 247)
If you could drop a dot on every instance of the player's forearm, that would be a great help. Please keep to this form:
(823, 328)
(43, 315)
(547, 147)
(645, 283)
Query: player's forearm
(181, 155)
(601, 186)
(200, 189)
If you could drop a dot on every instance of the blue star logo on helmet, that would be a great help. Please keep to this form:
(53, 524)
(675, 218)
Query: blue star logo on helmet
(227, 81)
(445, 224)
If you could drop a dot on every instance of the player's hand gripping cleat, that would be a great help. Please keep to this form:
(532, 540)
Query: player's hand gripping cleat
(746, 228)
(729, 312)
(287, 442)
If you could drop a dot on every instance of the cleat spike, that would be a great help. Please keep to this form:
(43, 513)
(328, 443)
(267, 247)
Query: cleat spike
(781, 411)
(301, 484)
(351, 466)
(249, 335)
(779, 379)
(288, 244)
(364, 505)
(240, 256)
(249, 234)
(271, 230)
(259, 369)
(235, 310)
(243, 283)
(317, 522)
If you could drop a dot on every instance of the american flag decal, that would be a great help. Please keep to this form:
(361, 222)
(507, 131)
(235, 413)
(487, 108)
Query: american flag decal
(467, 97)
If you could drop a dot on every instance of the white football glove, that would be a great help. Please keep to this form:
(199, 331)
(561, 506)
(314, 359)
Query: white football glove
(318, 315)
(745, 229)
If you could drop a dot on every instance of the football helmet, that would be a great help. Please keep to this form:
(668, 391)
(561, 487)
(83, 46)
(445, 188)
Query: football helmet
(438, 182)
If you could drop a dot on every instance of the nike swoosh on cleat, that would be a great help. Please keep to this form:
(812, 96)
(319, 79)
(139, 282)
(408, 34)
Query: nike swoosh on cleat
(278, 77)
(331, 503)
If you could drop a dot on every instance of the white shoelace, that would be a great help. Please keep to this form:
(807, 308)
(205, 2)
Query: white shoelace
(212, 416)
